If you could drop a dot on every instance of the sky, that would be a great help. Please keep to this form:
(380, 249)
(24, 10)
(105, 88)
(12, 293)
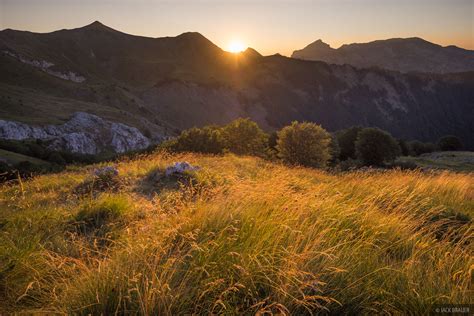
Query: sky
(269, 26)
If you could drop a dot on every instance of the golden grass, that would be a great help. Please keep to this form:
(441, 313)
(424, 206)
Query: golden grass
(240, 236)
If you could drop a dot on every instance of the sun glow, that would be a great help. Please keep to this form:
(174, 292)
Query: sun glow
(236, 46)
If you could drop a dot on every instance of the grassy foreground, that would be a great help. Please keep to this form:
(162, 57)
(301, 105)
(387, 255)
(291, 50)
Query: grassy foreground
(239, 236)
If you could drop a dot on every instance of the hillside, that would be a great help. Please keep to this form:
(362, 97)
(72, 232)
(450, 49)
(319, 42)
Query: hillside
(164, 85)
(217, 240)
(15, 158)
(399, 54)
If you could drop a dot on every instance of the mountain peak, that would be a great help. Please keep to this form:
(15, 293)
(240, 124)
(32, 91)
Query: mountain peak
(252, 52)
(416, 39)
(196, 39)
(97, 25)
(317, 47)
(192, 35)
(319, 43)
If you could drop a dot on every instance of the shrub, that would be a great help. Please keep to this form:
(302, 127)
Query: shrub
(27, 168)
(430, 147)
(37, 150)
(271, 150)
(346, 139)
(450, 143)
(70, 157)
(272, 140)
(169, 145)
(349, 165)
(204, 140)
(418, 148)
(305, 144)
(334, 150)
(244, 137)
(404, 165)
(57, 158)
(404, 147)
(374, 147)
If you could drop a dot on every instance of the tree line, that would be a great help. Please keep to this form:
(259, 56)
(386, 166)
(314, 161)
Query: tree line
(305, 144)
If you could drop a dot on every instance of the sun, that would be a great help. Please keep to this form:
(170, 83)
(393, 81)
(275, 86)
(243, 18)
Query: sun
(236, 46)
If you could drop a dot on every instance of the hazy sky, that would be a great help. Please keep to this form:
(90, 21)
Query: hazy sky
(270, 26)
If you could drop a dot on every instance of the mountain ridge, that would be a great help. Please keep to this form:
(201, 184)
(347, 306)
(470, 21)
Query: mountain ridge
(167, 84)
(412, 54)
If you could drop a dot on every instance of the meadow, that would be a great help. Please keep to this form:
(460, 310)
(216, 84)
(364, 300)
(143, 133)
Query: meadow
(241, 235)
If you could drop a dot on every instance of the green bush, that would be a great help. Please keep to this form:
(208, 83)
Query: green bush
(334, 150)
(305, 144)
(418, 148)
(204, 140)
(349, 165)
(244, 137)
(404, 165)
(56, 158)
(28, 169)
(38, 151)
(404, 147)
(450, 143)
(169, 145)
(272, 140)
(84, 158)
(346, 139)
(374, 147)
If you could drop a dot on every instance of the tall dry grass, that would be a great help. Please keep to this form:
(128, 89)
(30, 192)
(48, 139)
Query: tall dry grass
(240, 236)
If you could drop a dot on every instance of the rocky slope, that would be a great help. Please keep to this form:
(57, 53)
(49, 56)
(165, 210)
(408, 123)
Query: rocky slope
(84, 133)
(400, 54)
(163, 85)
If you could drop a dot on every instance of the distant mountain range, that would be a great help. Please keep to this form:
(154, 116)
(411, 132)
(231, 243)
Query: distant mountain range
(163, 85)
(400, 54)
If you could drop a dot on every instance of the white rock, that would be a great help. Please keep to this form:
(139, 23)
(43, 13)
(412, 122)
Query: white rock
(19, 131)
(80, 143)
(84, 133)
(107, 171)
(180, 168)
(126, 138)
